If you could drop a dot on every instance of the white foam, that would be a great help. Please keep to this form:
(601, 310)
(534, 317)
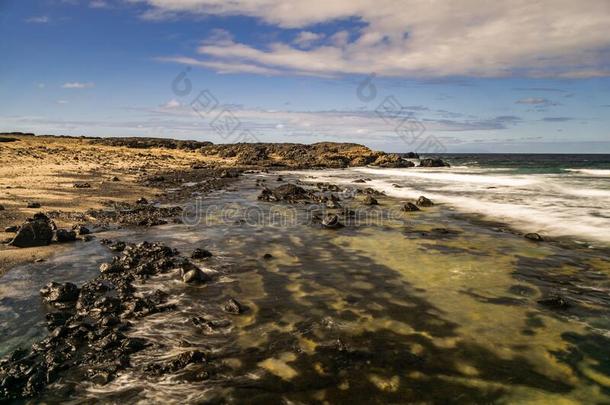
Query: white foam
(552, 204)
(592, 172)
(451, 177)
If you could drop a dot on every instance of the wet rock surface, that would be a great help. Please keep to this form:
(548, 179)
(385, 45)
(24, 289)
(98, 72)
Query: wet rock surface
(424, 202)
(88, 325)
(409, 207)
(287, 192)
(64, 236)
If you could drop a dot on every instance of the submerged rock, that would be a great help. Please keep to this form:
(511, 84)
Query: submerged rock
(409, 207)
(200, 254)
(37, 231)
(555, 302)
(233, 306)
(424, 202)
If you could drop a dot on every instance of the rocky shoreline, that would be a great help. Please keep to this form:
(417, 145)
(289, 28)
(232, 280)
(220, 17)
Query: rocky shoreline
(88, 326)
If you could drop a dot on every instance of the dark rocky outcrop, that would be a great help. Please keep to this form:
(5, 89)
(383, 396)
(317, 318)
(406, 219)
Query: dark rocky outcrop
(292, 155)
(36, 231)
(88, 326)
(433, 162)
(146, 143)
(392, 161)
(286, 192)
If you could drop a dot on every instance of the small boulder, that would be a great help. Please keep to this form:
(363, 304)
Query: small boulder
(533, 236)
(267, 256)
(193, 274)
(433, 163)
(142, 201)
(33, 204)
(115, 178)
(233, 306)
(64, 236)
(1, 207)
(37, 231)
(54, 293)
(409, 207)
(424, 202)
(199, 254)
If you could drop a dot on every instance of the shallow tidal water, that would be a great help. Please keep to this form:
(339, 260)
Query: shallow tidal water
(426, 307)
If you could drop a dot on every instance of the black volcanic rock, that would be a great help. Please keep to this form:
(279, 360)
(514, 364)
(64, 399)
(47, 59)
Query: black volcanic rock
(424, 202)
(429, 162)
(37, 231)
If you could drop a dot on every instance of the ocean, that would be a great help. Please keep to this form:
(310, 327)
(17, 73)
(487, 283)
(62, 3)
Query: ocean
(556, 195)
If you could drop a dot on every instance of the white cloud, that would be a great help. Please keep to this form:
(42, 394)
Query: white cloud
(41, 85)
(173, 103)
(62, 102)
(544, 38)
(78, 85)
(43, 19)
(306, 38)
(98, 4)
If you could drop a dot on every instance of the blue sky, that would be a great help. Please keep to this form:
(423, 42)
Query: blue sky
(513, 77)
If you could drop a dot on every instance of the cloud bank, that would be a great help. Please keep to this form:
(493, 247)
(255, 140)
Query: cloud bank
(545, 38)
